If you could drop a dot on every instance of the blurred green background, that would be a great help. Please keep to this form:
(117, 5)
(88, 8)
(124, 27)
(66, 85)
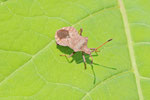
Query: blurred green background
(30, 65)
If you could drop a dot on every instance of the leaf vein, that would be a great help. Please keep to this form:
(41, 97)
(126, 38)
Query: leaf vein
(13, 51)
(130, 47)
(22, 66)
(101, 82)
(94, 13)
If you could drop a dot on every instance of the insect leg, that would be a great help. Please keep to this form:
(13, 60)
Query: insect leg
(84, 60)
(69, 55)
(80, 31)
(91, 59)
(94, 50)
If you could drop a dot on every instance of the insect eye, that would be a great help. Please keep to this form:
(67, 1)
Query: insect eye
(63, 34)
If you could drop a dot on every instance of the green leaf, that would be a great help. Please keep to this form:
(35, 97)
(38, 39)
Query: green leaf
(31, 67)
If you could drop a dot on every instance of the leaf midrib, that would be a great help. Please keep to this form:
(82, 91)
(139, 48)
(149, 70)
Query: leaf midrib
(130, 47)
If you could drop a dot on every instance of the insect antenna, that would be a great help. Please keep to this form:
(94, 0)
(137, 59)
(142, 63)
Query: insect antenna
(102, 45)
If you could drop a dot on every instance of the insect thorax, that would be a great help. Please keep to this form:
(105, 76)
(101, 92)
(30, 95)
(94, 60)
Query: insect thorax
(80, 44)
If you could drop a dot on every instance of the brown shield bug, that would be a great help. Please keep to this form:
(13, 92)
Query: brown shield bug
(69, 36)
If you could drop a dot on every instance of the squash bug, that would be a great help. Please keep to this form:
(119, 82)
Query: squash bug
(69, 36)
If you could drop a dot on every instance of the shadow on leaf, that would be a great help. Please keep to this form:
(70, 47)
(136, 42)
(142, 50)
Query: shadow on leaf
(77, 57)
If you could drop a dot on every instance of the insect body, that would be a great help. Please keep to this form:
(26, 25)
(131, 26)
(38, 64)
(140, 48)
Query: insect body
(69, 36)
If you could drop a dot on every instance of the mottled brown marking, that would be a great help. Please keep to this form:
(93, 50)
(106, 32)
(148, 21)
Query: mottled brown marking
(63, 34)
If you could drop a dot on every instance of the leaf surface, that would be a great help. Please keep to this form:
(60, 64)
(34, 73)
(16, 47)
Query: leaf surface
(31, 67)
